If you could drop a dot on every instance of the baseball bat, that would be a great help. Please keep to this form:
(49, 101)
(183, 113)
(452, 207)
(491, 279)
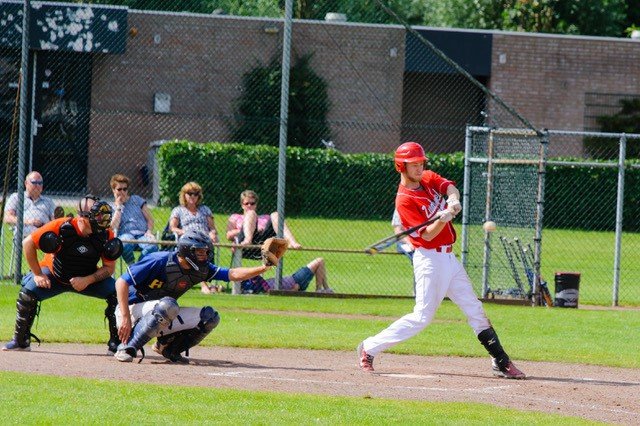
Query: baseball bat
(509, 256)
(544, 289)
(386, 242)
(528, 269)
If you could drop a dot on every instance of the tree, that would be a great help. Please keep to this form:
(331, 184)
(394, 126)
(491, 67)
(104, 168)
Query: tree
(258, 108)
(587, 17)
(627, 120)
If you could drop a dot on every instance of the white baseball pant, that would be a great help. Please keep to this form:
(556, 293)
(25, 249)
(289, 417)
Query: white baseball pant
(436, 275)
(188, 318)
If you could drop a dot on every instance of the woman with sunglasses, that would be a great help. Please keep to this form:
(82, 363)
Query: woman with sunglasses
(191, 214)
(132, 219)
(250, 228)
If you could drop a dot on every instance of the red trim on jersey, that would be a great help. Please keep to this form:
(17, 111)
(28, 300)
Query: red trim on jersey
(416, 206)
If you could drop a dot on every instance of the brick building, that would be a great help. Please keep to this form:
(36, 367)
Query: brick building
(177, 76)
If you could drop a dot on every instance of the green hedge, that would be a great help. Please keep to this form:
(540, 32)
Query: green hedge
(320, 182)
(328, 183)
(585, 197)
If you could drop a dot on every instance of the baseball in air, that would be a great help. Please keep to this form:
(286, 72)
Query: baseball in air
(489, 226)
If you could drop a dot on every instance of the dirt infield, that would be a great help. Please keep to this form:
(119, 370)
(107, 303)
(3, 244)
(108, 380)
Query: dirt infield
(596, 393)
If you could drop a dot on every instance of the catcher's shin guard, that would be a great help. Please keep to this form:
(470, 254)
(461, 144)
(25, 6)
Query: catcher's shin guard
(172, 345)
(110, 315)
(27, 310)
(490, 341)
(147, 328)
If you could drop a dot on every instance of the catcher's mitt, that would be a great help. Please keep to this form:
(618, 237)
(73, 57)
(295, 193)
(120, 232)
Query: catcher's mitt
(272, 250)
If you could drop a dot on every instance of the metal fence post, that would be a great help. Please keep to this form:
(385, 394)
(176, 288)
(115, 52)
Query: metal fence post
(487, 235)
(542, 170)
(284, 120)
(619, 218)
(466, 196)
(22, 154)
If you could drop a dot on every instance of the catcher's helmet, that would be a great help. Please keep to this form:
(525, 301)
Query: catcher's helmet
(408, 152)
(189, 242)
(99, 213)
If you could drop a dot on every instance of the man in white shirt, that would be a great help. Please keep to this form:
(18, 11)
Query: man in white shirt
(38, 209)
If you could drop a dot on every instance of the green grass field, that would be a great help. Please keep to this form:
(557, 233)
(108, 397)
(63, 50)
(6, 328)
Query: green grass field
(59, 400)
(590, 253)
(536, 334)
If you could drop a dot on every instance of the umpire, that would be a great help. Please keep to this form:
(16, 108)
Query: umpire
(73, 247)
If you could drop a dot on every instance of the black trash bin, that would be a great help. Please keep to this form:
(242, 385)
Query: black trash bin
(567, 289)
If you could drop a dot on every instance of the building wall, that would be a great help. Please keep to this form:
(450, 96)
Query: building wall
(199, 61)
(545, 78)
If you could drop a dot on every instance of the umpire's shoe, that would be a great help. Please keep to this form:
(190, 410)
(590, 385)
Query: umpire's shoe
(510, 371)
(15, 346)
(125, 353)
(112, 347)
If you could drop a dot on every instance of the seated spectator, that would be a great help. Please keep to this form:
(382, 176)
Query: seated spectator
(298, 281)
(132, 219)
(191, 214)
(250, 228)
(38, 209)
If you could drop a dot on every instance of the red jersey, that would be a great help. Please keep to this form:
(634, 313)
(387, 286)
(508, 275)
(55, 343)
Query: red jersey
(416, 206)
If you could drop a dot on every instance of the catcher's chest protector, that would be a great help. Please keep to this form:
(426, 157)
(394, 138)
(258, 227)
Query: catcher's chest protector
(78, 256)
(178, 281)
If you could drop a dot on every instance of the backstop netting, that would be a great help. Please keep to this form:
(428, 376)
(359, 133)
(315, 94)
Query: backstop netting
(170, 92)
(504, 174)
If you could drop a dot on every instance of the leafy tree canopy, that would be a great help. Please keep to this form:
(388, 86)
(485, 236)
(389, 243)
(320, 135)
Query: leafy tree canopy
(258, 108)
(586, 17)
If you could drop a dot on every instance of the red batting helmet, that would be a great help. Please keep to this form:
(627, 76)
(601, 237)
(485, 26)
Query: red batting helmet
(408, 152)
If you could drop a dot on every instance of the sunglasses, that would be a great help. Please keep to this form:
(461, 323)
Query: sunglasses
(36, 182)
(122, 189)
(249, 203)
(193, 194)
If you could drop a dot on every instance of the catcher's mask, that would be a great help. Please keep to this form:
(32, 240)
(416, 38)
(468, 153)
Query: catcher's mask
(408, 152)
(191, 245)
(98, 212)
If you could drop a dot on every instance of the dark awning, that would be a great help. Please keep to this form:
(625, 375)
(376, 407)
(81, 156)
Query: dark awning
(66, 27)
(470, 50)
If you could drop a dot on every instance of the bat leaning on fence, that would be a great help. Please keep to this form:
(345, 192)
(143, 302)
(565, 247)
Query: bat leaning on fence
(512, 264)
(528, 263)
(390, 240)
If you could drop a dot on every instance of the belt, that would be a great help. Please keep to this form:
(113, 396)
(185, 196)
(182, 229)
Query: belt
(444, 249)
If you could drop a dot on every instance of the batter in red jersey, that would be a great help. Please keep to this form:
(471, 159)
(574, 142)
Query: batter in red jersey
(422, 195)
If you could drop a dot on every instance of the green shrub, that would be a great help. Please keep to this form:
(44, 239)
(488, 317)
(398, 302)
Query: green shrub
(319, 182)
(627, 120)
(331, 184)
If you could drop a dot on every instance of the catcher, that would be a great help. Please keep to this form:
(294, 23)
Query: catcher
(148, 293)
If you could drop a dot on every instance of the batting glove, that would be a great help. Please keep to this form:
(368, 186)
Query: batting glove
(454, 205)
(445, 216)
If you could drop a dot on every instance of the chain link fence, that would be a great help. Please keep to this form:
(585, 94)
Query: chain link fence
(168, 93)
(557, 212)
